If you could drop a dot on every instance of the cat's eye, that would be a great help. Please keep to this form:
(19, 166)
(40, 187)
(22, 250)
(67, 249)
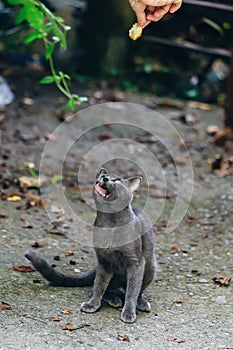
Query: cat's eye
(117, 181)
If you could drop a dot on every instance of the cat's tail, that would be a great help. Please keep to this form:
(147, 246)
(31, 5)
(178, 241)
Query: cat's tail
(56, 278)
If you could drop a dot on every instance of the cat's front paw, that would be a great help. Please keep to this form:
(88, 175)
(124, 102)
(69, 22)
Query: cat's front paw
(143, 305)
(113, 301)
(128, 316)
(89, 307)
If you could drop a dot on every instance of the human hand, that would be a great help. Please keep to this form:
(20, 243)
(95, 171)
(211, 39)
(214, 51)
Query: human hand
(148, 11)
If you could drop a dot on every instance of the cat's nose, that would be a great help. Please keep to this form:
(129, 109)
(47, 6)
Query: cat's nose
(105, 179)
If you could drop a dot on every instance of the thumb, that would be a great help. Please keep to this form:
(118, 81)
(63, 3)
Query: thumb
(141, 19)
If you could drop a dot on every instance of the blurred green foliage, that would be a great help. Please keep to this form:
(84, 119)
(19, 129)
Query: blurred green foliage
(101, 49)
(52, 30)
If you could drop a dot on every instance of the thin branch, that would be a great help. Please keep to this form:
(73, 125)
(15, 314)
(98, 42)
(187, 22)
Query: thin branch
(189, 46)
(209, 4)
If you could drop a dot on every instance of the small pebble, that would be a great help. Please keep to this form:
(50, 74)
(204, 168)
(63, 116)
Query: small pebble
(221, 299)
(203, 280)
(56, 258)
(72, 262)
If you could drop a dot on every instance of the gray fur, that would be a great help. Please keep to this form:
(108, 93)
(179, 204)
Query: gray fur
(124, 243)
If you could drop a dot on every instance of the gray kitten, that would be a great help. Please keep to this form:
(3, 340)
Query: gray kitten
(124, 243)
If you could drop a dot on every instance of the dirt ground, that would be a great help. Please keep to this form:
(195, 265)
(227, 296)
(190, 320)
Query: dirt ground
(192, 296)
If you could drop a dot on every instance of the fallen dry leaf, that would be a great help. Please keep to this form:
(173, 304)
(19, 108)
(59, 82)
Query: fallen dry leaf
(191, 219)
(222, 281)
(185, 118)
(69, 253)
(178, 301)
(212, 129)
(5, 306)
(27, 101)
(50, 137)
(170, 102)
(160, 193)
(216, 163)
(123, 337)
(85, 250)
(14, 198)
(69, 327)
(67, 311)
(28, 225)
(37, 245)
(105, 135)
(222, 135)
(23, 268)
(175, 250)
(32, 181)
(161, 282)
(177, 340)
(55, 230)
(55, 319)
(32, 203)
(200, 105)
(220, 166)
(180, 160)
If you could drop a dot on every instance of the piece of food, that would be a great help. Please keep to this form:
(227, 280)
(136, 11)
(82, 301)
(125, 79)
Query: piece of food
(135, 32)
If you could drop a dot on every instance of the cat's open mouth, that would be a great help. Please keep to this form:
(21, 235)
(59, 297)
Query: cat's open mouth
(103, 192)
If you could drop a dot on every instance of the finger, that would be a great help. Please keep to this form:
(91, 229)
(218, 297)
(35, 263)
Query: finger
(153, 18)
(150, 9)
(175, 7)
(140, 13)
(158, 13)
(142, 19)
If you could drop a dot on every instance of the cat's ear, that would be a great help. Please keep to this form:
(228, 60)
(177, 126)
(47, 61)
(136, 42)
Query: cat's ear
(101, 171)
(134, 183)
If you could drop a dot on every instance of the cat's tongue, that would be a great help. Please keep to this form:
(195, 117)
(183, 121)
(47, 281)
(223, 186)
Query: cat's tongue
(100, 190)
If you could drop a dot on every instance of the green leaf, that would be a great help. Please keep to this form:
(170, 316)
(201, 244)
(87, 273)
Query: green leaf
(33, 36)
(71, 104)
(55, 179)
(226, 25)
(48, 26)
(49, 51)
(21, 16)
(57, 79)
(75, 97)
(32, 172)
(34, 16)
(47, 80)
(59, 19)
(64, 75)
(61, 36)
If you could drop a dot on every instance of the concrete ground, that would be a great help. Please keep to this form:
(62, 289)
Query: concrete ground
(189, 310)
